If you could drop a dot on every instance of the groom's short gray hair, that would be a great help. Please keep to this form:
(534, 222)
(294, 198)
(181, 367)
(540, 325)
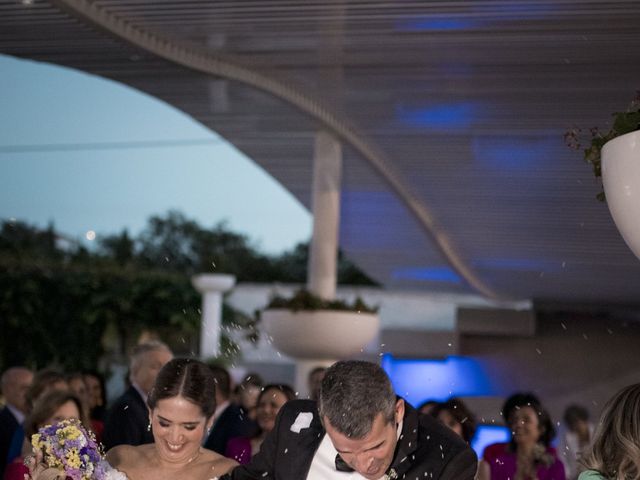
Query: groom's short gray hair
(352, 395)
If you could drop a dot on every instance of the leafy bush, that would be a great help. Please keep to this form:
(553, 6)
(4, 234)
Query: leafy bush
(305, 300)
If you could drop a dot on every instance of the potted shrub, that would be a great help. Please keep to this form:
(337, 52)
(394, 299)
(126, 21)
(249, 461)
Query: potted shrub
(308, 327)
(615, 156)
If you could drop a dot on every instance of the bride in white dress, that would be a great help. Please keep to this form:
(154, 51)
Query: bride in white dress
(181, 406)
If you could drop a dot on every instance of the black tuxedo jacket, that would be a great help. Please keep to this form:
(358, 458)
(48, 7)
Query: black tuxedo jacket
(127, 421)
(231, 423)
(8, 426)
(426, 449)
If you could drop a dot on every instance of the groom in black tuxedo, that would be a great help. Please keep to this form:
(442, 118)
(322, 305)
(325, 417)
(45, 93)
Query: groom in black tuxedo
(358, 429)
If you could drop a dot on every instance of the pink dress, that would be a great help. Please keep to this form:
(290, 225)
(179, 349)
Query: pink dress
(502, 462)
(15, 470)
(239, 449)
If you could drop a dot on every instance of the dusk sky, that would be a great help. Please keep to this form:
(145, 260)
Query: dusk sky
(90, 154)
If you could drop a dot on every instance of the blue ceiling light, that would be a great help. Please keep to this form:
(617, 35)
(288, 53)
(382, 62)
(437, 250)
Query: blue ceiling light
(430, 274)
(477, 17)
(452, 116)
(436, 24)
(513, 154)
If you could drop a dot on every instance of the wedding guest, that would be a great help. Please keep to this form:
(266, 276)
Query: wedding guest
(97, 395)
(228, 420)
(615, 451)
(52, 407)
(455, 415)
(78, 386)
(127, 420)
(15, 382)
(270, 401)
(247, 393)
(44, 381)
(575, 439)
(358, 424)
(314, 380)
(97, 400)
(529, 455)
(181, 406)
(427, 406)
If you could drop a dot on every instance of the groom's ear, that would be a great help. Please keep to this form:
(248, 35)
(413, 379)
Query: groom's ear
(399, 413)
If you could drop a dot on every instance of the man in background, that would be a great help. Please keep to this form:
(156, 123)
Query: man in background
(314, 381)
(127, 421)
(229, 420)
(14, 383)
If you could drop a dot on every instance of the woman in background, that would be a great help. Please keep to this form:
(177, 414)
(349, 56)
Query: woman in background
(50, 408)
(270, 401)
(615, 452)
(529, 455)
(455, 415)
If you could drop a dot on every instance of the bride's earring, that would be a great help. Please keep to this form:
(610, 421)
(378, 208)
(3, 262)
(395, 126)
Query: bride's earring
(149, 427)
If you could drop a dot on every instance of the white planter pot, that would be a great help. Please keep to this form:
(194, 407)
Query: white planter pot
(329, 334)
(621, 180)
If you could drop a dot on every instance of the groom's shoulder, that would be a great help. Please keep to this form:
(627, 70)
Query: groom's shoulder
(294, 407)
(434, 432)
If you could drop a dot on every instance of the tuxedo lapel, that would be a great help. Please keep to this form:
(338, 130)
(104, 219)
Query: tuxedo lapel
(407, 443)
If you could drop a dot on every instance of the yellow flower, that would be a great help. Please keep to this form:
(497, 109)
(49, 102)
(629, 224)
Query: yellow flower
(71, 432)
(73, 458)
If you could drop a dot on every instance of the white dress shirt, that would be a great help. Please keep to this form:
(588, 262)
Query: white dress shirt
(323, 466)
(16, 413)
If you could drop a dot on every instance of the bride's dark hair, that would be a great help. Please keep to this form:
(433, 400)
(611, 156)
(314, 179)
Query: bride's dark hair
(187, 378)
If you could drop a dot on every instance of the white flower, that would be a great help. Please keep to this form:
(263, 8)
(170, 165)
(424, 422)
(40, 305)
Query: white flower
(303, 420)
(114, 474)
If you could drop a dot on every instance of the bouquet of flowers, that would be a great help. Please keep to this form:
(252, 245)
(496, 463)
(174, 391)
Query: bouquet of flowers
(71, 450)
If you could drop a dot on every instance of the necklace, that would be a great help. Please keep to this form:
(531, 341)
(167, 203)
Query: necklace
(197, 454)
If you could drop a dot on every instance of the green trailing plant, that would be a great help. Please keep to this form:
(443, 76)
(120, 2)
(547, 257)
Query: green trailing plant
(305, 300)
(623, 122)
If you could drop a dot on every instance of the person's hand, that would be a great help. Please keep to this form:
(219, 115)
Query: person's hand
(38, 470)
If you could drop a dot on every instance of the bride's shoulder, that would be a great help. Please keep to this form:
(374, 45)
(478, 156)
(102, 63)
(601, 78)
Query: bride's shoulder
(126, 454)
(217, 461)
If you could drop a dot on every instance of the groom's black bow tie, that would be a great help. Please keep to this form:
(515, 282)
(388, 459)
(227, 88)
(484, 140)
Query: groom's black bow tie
(341, 465)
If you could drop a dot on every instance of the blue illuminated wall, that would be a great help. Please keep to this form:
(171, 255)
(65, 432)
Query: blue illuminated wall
(488, 434)
(417, 380)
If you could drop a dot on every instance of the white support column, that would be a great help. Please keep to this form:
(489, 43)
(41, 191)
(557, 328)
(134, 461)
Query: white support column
(327, 172)
(211, 286)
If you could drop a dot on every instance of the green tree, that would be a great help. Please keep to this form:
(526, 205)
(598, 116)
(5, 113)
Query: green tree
(59, 301)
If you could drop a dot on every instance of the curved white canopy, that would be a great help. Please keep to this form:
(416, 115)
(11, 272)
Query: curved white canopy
(452, 113)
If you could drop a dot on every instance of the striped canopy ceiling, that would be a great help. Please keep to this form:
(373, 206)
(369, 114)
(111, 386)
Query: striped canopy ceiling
(456, 178)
